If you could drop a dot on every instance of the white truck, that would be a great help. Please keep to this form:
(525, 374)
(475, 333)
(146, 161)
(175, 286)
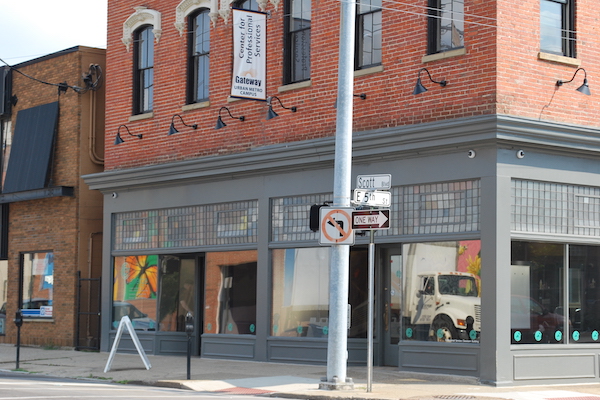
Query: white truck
(444, 304)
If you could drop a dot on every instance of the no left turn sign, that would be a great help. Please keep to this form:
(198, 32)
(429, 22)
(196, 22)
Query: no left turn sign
(336, 226)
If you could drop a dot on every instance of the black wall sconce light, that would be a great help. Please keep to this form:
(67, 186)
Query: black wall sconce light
(419, 88)
(173, 130)
(221, 124)
(583, 88)
(363, 96)
(119, 140)
(272, 114)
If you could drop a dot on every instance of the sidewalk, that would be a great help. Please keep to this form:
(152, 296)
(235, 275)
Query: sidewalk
(282, 380)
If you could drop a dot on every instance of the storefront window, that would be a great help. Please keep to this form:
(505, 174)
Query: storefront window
(540, 289)
(446, 273)
(301, 292)
(177, 292)
(230, 292)
(3, 291)
(135, 291)
(38, 284)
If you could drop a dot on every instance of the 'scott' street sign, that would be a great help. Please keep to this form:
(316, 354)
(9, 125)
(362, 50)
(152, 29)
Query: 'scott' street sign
(373, 182)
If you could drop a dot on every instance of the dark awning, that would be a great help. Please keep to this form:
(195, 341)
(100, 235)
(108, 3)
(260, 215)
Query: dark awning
(31, 150)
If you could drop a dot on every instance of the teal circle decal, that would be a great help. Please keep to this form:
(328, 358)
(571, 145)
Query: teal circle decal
(440, 333)
(275, 328)
(517, 336)
(230, 327)
(209, 327)
(252, 328)
(473, 334)
(299, 329)
(398, 274)
(409, 332)
(575, 335)
(558, 336)
(325, 330)
(595, 335)
(537, 336)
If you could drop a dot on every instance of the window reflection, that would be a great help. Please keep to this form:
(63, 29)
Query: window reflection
(447, 274)
(301, 292)
(230, 293)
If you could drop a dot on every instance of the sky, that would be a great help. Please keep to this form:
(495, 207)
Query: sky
(34, 28)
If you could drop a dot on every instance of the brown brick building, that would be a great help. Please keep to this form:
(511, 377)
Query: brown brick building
(52, 129)
(492, 256)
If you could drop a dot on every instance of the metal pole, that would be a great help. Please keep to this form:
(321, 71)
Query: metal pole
(337, 349)
(370, 311)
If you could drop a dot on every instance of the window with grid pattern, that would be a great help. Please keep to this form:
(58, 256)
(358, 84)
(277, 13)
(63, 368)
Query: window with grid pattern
(181, 227)
(548, 207)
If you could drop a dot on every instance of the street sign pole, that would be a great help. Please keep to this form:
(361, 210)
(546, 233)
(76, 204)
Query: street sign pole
(337, 341)
(370, 310)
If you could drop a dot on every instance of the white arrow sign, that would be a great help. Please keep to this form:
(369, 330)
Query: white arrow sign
(371, 219)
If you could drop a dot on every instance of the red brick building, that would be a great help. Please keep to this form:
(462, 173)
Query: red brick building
(52, 129)
(494, 178)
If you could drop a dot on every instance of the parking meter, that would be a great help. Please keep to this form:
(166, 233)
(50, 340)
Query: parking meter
(189, 324)
(18, 322)
(18, 319)
(189, 329)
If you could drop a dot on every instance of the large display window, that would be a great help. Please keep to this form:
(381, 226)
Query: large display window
(230, 292)
(554, 295)
(301, 292)
(441, 298)
(135, 289)
(38, 284)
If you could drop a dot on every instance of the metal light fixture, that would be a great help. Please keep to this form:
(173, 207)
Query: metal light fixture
(221, 124)
(119, 140)
(363, 96)
(419, 88)
(583, 88)
(272, 114)
(172, 128)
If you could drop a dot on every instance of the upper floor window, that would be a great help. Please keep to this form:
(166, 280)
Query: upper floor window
(297, 41)
(198, 59)
(557, 28)
(251, 5)
(446, 25)
(368, 34)
(143, 74)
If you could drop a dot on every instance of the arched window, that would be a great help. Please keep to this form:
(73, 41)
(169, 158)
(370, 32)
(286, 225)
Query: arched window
(198, 56)
(251, 5)
(143, 74)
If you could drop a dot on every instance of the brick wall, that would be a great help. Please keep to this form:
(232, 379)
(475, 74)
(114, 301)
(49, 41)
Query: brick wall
(488, 79)
(54, 224)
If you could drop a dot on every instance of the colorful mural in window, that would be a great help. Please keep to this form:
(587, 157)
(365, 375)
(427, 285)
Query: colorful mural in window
(135, 290)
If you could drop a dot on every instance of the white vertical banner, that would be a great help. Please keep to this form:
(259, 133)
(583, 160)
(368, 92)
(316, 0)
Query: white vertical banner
(249, 55)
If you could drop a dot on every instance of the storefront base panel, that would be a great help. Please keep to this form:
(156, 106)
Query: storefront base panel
(559, 368)
(453, 359)
(126, 345)
(228, 346)
(172, 344)
(298, 351)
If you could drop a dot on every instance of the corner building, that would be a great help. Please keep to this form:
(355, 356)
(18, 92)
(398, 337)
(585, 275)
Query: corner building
(492, 259)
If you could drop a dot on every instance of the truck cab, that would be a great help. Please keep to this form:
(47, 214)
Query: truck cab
(449, 303)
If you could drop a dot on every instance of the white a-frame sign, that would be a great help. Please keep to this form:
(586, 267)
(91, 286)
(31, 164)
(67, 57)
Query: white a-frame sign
(126, 322)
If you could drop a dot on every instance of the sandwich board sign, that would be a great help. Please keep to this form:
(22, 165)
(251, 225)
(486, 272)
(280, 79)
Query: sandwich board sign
(126, 324)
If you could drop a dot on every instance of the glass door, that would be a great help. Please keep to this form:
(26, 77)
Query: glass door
(392, 296)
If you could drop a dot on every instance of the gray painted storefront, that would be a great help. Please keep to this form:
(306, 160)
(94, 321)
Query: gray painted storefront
(435, 152)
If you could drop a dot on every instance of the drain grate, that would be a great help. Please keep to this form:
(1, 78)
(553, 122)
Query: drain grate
(241, 390)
